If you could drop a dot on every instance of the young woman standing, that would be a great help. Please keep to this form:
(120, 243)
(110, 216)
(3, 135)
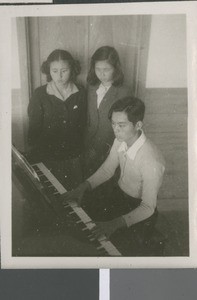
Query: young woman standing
(57, 119)
(105, 86)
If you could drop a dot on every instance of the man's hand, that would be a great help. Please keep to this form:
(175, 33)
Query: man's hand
(76, 194)
(109, 227)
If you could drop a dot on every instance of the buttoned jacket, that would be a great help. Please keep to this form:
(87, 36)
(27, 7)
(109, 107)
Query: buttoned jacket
(99, 133)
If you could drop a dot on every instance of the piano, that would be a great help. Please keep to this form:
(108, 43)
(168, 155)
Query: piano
(41, 224)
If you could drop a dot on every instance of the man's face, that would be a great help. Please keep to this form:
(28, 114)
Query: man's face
(124, 130)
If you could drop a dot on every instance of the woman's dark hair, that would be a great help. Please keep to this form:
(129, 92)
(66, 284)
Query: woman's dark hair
(133, 107)
(111, 56)
(57, 55)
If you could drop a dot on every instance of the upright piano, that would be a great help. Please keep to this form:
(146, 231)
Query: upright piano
(41, 224)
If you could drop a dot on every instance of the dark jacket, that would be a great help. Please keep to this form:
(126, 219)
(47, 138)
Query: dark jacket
(99, 134)
(56, 127)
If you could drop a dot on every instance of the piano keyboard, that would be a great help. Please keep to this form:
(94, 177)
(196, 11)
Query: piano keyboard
(78, 215)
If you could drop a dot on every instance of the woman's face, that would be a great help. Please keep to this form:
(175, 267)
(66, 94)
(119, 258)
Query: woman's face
(60, 72)
(104, 71)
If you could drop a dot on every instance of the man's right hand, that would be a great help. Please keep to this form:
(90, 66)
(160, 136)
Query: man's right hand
(76, 194)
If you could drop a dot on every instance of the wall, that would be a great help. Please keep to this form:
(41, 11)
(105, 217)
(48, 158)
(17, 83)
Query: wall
(167, 52)
(165, 96)
(20, 84)
(16, 81)
(17, 118)
(82, 36)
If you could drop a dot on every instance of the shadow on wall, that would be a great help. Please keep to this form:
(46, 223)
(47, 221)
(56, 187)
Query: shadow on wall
(19, 122)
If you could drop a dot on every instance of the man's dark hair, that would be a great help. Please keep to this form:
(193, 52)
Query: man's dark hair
(133, 107)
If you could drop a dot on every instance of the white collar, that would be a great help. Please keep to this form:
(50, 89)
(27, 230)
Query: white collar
(103, 89)
(132, 151)
(53, 90)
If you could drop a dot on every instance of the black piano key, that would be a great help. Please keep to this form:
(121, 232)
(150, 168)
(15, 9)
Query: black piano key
(68, 209)
(83, 228)
(49, 184)
(91, 236)
(65, 204)
(39, 173)
(57, 194)
(72, 212)
(43, 178)
(96, 243)
(103, 252)
(91, 239)
(79, 221)
(35, 168)
(100, 248)
(46, 182)
(76, 219)
(52, 190)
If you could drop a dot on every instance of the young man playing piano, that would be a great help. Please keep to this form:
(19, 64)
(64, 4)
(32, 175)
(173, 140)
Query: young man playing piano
(126, 208)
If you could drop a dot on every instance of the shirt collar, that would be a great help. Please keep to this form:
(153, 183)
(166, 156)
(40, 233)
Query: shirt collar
(103, 89)
(132, 151)
(52, 90)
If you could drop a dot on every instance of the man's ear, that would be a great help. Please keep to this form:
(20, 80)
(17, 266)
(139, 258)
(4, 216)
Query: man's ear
(139, 125)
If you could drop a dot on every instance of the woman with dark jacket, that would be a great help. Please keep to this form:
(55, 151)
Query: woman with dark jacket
(105, 86)
(57, 119)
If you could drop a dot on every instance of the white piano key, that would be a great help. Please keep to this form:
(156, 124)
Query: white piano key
(82, 214)
(90, 225)
(111, 249)
(52, 178)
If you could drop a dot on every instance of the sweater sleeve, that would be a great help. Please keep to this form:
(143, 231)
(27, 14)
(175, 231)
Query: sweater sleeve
(152, 175)
(107, 169)
(35, 113)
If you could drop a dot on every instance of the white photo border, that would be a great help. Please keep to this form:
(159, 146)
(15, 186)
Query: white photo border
(6, 13)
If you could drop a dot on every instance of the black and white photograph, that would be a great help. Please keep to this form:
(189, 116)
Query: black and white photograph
(99, 137)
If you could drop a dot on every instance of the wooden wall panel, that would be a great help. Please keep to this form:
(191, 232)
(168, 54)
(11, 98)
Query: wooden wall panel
(34, 53)
(121, 32)
(144, 40)
(126, 35)
(69, 33)
(166, 122)
(166, 101)
(166, 125)
(82, 36)
(100, 33)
